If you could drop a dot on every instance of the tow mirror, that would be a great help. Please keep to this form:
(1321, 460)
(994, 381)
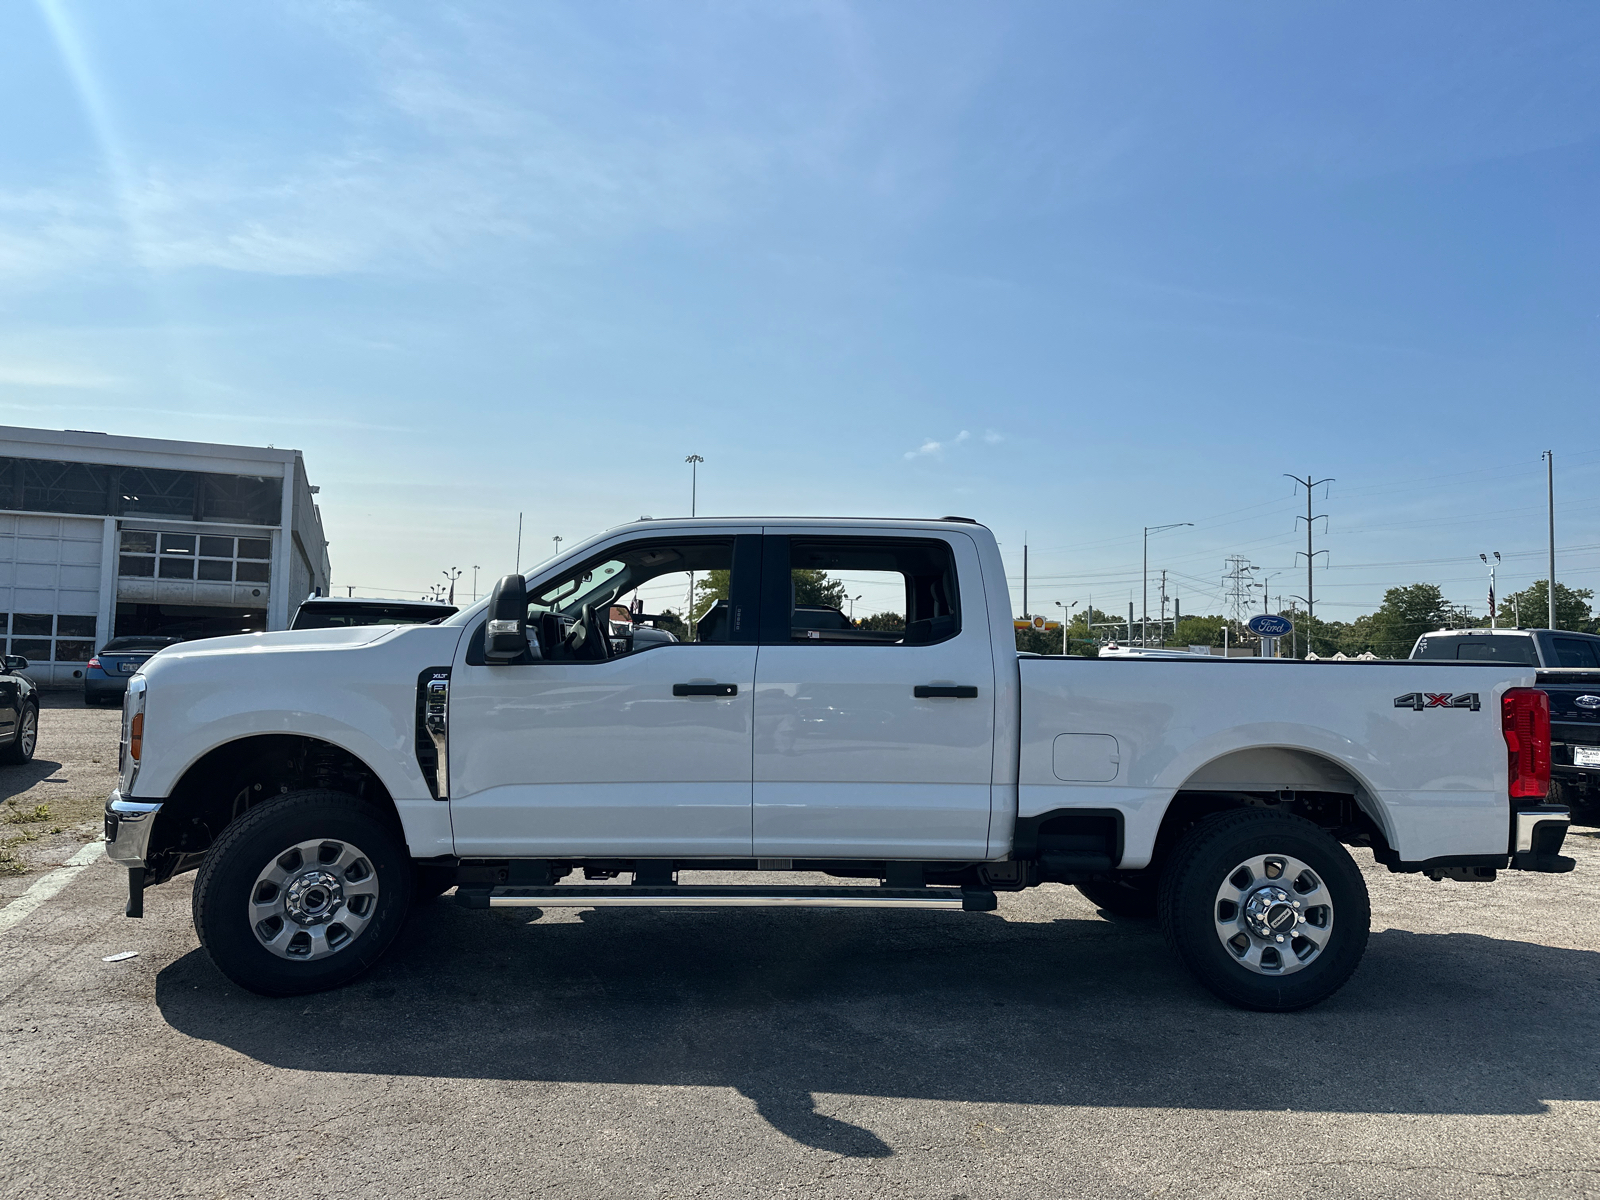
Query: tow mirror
(505, 637)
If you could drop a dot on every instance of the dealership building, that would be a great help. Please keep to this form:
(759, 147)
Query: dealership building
(104, 536)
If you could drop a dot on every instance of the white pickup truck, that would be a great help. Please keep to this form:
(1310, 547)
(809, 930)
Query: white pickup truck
(322, 780)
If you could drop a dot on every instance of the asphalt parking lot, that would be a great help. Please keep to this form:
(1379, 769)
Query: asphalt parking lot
(1040, 1050)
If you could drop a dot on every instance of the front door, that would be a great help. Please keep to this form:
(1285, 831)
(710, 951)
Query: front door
(874, 710)
(632, 740)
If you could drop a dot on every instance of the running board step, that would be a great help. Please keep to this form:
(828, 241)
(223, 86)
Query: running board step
(948, 899)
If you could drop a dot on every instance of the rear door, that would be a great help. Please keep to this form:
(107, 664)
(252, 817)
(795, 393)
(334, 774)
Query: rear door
(873, 741)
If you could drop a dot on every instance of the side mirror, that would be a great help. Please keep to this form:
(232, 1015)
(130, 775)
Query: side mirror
(15, 662)
(505, 637)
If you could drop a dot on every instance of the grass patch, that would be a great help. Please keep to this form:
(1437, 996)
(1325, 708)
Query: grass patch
(27, 816)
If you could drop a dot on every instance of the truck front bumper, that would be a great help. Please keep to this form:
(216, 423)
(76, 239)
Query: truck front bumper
(128, 825)
(1537, 837)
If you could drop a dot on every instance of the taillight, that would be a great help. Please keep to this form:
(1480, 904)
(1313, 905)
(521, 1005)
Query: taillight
(1525, 720)
(94, 663)
(136, 741)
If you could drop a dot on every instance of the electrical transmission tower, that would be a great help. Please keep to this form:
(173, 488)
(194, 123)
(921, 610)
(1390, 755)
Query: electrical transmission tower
(1311, 556)
(1236, 584)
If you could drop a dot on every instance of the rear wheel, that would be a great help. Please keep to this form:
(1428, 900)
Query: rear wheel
(1134, 896)
(26, 739)
(302, 893)
(1266, 909)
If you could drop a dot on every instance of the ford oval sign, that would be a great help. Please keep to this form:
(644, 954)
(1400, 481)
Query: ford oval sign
(1267, 625)
(1587, 701)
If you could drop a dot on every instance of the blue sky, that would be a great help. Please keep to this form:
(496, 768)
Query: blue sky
(1071, 269)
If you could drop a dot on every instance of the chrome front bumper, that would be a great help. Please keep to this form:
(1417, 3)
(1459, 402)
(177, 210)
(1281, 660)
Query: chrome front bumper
(128, 825)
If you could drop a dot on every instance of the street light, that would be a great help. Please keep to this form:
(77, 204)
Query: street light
(453, 574)
(1493, 624)
(694, 461)
(1066, 611)
(1144, 624)
(852, 600)
(475, 570)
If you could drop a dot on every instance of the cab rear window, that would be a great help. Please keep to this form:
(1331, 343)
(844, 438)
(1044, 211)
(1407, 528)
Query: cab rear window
(1518, 650)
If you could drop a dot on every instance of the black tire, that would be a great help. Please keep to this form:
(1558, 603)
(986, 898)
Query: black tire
(1134, 896)
(231, 882)
(26, 739)
(1214, 856)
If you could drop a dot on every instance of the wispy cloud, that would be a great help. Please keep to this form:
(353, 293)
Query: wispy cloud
(53, 375)
(933, 449)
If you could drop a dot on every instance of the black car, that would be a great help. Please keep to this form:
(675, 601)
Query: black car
(106, 677)
(19, 712)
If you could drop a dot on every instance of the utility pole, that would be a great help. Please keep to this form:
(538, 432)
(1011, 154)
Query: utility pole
(1025, 612)
(1493, 624)
(1308, 483)
(1550, 483)
(1161, 631)
(1144, 628)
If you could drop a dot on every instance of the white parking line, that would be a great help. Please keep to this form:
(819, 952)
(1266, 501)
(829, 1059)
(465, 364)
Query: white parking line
(47, 888)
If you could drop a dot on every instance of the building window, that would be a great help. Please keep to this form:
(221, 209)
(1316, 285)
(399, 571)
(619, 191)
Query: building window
(96, 489)
(207, 557)
(73, 639)
(32, 624)
(74, 627)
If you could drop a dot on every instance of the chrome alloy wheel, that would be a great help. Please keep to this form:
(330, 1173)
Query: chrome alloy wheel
(1273, 914)
(314, 899)
(28, 735)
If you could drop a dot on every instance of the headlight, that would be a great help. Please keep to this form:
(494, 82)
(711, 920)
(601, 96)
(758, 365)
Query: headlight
(131, 747)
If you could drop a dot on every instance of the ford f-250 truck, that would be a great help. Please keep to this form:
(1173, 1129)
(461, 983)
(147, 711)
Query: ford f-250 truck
(320, 780)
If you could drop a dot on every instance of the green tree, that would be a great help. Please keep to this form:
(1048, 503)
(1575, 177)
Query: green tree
(709, 590)
(817, 589)
(1405, 615)
(884, 622)
(1198, 631)
(1572, 606)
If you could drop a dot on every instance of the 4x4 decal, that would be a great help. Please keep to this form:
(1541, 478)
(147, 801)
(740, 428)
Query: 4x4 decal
(1422, 700)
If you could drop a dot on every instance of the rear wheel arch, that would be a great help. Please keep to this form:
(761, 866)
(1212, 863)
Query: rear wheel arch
(232, 779)
(1300, 782)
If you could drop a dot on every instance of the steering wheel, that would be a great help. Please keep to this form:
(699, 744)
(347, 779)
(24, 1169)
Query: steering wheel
(586, 625)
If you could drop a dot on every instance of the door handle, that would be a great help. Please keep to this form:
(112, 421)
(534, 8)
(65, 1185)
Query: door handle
(705, 689)
(945, 691)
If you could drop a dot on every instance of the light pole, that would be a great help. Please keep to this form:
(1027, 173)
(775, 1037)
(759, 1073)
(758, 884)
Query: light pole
(1550, 483)
(1295, 645)
(694, 461)
(1493, 623)
(453, 574)
(475, 570)
(557, 539)
(852, 600)
(1144, 624)
(1066, 612)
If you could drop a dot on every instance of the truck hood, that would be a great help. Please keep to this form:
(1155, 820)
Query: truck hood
(285, 640)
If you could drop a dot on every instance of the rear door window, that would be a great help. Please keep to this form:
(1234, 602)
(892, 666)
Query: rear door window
(860, 591)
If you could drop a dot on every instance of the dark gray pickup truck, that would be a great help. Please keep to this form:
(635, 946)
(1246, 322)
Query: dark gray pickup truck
(1569, 673)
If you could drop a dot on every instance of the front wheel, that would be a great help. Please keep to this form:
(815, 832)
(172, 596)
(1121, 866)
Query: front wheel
(302, 893)
(1266, 909)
